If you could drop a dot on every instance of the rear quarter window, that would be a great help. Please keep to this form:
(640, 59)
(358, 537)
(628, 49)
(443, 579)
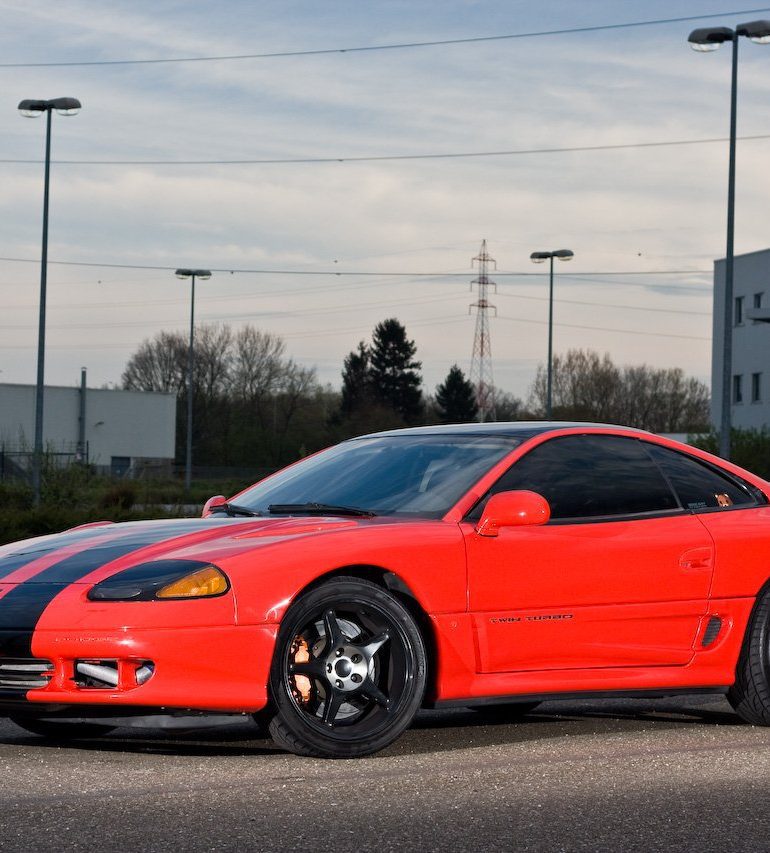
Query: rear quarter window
(701, 486)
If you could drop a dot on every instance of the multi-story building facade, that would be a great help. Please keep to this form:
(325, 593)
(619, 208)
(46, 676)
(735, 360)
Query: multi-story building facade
(750, 381)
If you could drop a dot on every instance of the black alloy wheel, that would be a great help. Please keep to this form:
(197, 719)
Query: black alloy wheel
(59, 729)
(349, 671)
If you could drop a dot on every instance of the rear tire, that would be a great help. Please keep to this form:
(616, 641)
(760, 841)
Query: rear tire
(750, 695)
(349, 671)
(59, 729)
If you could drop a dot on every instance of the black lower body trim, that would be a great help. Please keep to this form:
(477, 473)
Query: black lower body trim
(653, 693)
(15, 704)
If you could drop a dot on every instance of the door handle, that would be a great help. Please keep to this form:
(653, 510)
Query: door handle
(696, 559)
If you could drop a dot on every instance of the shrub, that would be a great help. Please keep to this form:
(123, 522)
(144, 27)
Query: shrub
(750, 448)
(121, 496)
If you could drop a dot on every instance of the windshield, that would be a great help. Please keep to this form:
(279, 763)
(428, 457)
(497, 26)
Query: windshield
(421, 476)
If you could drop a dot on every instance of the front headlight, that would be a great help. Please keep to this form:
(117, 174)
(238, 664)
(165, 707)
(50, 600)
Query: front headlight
(163, 580)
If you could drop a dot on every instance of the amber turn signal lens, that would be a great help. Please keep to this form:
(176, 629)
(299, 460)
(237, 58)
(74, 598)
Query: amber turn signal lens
(199, 584)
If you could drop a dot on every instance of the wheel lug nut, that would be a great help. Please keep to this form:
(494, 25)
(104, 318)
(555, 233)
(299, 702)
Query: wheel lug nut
(339, 684)
(356, 678)
(356, 658)
(328, 667)
(339, 652)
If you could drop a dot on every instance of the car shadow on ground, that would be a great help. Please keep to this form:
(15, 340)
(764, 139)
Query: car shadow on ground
(432, 731)
(552, 720)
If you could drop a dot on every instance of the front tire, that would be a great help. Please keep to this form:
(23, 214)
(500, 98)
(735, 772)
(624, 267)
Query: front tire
(750, 695)
(349, 671)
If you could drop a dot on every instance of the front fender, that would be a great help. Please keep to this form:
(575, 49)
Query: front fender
(428, 556)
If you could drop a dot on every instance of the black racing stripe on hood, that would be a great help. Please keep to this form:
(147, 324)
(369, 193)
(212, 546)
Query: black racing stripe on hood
(76, 566)
(22, 607)
(18, 561)
(147, 535)
(36, 551)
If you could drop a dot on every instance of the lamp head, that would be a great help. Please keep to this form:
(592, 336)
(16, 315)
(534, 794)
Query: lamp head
(706, 39)
(756, 31)
(539, 257)
(564, 254)
(66, 106)
(63, 106)
(32, 109)
(186, 273)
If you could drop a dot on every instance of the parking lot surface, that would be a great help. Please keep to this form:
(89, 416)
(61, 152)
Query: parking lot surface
(616, 775)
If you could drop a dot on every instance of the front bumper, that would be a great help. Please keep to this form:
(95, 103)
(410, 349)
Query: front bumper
(209, 669)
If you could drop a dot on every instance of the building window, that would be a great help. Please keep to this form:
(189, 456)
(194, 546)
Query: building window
(756, 387)
(738, 388)
(119, 466)
(758, 300)
(738, 311)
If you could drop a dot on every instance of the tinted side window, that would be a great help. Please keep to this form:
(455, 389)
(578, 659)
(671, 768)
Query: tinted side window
(589, 476)
(698, 485)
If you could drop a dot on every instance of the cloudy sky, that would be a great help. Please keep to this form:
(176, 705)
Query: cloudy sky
(318, 252)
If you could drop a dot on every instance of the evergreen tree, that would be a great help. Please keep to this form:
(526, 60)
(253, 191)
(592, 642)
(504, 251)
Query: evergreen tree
(456, 398)
(395, 377)
(356, 381)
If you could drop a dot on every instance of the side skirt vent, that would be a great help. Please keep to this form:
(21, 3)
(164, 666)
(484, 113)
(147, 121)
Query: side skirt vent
(712, 631)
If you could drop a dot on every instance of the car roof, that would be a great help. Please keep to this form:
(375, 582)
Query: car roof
(515, 429)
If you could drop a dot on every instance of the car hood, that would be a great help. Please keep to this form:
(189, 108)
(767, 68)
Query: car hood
(78, 555)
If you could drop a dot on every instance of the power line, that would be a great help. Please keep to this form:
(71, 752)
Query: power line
(607, 329)
(381, 158)
(245, 315)
(245, 297)
(182, 299)
(333, 272)
(696, 290)
(420, 324)
(380, 47)
(606, 305)
(350, 330)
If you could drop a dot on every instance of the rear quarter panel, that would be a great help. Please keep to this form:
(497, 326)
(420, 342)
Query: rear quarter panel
(742, 551)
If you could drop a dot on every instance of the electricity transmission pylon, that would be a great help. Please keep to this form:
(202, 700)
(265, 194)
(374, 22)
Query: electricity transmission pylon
(481, 359)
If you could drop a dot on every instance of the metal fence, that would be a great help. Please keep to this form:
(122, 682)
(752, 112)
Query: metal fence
(16, 464)
(16, 460)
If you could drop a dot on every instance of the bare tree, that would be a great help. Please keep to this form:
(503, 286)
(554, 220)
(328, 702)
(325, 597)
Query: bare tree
(508, 407)
(253, 405)
(212, 360)
(587, 386)
(258, 363)
(158, 364)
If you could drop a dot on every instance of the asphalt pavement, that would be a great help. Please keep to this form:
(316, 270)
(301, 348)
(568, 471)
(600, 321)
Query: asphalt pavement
(642, 775)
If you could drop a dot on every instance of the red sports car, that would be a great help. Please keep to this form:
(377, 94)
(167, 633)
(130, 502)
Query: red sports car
(448, 565)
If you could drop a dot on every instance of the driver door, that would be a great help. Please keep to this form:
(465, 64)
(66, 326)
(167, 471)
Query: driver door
(618, 578)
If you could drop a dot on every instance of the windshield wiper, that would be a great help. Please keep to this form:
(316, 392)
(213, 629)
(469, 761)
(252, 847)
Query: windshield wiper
(234, 509)
(318, 509)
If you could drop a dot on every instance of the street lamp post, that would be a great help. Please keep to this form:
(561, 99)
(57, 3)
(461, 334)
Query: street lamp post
(704, 40)
(32, 109)
(539, 258)
(203, 275)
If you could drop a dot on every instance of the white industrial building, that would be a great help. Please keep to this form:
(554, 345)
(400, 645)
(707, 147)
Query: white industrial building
(750, 385)
(120, 432)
